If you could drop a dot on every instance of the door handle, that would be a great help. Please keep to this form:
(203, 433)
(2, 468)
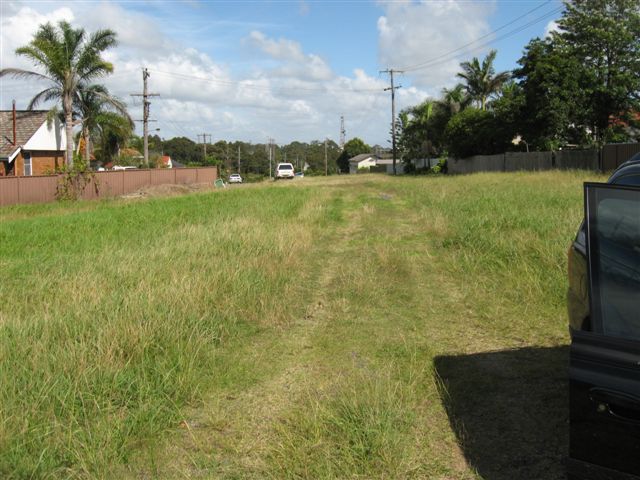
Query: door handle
(620, 405)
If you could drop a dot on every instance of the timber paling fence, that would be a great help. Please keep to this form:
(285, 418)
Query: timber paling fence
(608, 158)
(42, 189)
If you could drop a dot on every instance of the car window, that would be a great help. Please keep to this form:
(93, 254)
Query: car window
(615, 261)
(285, 167)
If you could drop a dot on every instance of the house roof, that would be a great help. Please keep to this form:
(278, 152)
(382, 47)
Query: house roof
(27, 123)
(386, 161)
(361, 157)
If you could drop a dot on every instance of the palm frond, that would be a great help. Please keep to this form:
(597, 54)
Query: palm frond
(44, 96)
(96, 69)
(53, 113)
(102, 40)
(23, 74)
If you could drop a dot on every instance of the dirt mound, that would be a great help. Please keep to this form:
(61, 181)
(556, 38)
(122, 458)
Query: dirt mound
(169, 190)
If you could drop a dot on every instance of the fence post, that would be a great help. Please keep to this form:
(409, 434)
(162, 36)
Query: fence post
(600, 157)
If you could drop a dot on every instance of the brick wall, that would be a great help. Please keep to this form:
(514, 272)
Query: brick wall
(42, 163)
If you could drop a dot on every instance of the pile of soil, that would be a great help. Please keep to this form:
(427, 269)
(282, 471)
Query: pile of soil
(169, 190)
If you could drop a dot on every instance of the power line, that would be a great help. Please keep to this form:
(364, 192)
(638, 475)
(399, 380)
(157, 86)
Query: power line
(445, 57)
(268, 88)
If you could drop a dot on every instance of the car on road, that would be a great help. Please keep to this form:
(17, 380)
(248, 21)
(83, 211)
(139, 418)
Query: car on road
(603, 301)
(284, 170)
(235, 178)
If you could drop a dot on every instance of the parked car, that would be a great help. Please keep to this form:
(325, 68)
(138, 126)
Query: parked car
(120, 167)
(235, 178)
(604, 322)
(284, 170)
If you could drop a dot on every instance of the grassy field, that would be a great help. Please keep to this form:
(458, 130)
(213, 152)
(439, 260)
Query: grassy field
(350, 327)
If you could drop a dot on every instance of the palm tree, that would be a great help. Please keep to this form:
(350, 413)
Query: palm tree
(455, 100)
(114, 130)
(98, 109)
(68, 59)
(481, 80)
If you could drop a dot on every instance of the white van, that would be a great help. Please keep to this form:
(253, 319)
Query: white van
(284, 170)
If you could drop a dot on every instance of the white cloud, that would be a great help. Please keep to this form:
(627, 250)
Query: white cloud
(292, 60)
(412, 34)
(552, 26)
(292, 94)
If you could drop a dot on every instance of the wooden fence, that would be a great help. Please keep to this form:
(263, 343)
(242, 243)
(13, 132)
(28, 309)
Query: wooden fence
(41, 189)
(609, 158)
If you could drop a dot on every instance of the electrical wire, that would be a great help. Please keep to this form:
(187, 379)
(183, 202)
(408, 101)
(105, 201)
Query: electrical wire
(447, 56)
(267, 88)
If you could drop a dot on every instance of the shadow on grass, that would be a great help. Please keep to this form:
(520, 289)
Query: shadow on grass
(510, 410)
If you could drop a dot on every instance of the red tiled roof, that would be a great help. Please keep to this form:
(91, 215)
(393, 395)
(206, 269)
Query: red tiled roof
(27, 123)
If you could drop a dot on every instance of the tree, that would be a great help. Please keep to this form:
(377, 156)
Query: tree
(476, 132)
(414, 131)
(113, 131)
(183, 150)
(455, 99)
(603, 36)
(481, 80)
(353, 147)
(555, 107)
(98, 110)
(69, 59)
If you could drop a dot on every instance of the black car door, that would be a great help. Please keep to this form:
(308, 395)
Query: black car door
(605, 362)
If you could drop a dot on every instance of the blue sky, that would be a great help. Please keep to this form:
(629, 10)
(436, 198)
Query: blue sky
(284, 69)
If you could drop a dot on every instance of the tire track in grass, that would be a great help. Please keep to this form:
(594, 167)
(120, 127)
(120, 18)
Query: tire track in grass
(228, 435)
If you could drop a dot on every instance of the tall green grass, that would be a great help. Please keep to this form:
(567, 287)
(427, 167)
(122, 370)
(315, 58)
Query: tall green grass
(112, 316)
(292, 330)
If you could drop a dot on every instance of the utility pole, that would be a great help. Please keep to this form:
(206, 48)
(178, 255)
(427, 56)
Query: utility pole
(270, 157)
(343, 133)
(238, 158)
(326, 170)
(393, 88)
(204, 144)
(145, 112)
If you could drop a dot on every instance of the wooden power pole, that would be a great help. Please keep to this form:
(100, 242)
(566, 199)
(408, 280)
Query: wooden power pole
(145, 113)
(393, 112)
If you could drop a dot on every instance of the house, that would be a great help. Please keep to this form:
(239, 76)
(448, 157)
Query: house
(28, 146)
(165, 162)
(386, 165)
(364, 161)
(374, 163)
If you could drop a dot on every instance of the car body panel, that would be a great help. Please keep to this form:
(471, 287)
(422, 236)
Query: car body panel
(604, 304)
